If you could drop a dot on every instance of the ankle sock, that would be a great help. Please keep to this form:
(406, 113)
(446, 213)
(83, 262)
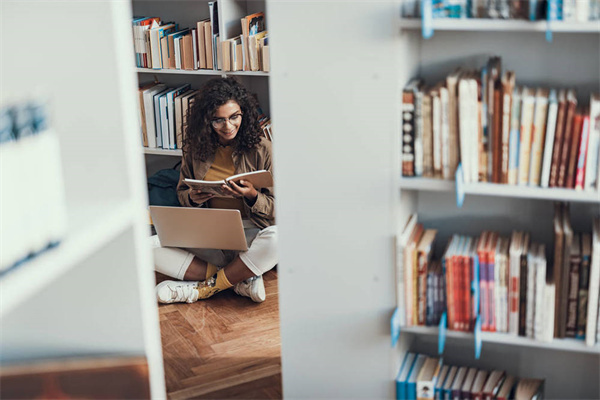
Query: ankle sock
(211, 269)
(213, 285)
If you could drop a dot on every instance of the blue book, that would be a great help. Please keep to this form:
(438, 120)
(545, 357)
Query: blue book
(156, 101)
(405, 369)
(411, 385)
(172, 140)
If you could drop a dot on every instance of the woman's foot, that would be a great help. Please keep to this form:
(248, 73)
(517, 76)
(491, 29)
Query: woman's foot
(253, 287)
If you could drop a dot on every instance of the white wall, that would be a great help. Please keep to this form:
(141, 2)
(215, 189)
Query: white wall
(334, 106)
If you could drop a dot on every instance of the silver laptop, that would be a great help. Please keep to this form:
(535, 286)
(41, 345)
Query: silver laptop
(199, 228)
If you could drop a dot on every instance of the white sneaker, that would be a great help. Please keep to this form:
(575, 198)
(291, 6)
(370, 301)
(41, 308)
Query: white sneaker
(253, 287)
(176, 292)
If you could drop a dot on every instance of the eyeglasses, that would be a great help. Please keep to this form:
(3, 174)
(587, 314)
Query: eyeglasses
(218, 123)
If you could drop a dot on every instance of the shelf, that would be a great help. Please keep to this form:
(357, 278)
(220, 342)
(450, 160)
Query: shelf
(427, 184)
(493, 25)
(498, 190)
(572, 345)
(163, 152)
(200, 72)
(90, 228)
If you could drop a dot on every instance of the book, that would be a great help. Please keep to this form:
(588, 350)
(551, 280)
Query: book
(584, 283)
(251, 25)
(410, 275)
(523, 284)
(513, 281)
(538, 136)
(508, 85)
(411, 382)
(506, 391)
(426, 379)
(563, 294)
(458, 383)
(401, 242)
(567, 138)
(554, 273)
(453, 132)
(260, 179)
(408, 127)
(582, 153)
(539, 304)
(525, 138)
(171, 120)
(468, 383)
(201, 42)
(478, 383)
(447, 388)
(594, 287)
(549, 140)
(558, 138)
(428, 135)
(148, 96)
(439, 383)
(403, 373)
(529, 389)
(576, 136)
(514, 139)
(418, 131)
(424, 250)
(573, 291)
(593, 157)
(493, 384)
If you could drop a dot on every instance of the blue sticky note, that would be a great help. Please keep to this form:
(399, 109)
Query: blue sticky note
(459, 180)
(427, 18)
(551, 15)
(477, 335)
(442, 333)
(395, 326)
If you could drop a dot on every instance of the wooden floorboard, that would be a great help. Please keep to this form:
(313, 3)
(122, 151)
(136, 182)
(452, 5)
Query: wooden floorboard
(226, 347)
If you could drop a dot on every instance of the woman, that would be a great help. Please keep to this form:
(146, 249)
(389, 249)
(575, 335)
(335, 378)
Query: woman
(223, 138)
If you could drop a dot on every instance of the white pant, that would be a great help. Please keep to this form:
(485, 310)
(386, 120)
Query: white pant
(260, 257)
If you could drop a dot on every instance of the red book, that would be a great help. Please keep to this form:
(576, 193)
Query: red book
(481, 246)
(583, 149)
(574, 152)
(491, 268)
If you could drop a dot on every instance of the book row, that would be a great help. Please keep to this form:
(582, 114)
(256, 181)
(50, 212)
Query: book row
(164, 45)
(28, 145)
(559, 10)
(424, 377)
(500, 132)
(163, 114)
(507, 284)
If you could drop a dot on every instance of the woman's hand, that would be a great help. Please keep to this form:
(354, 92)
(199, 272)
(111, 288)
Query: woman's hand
(243, 189)
(198, 197)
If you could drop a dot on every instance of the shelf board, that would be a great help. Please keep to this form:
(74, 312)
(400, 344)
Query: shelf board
(572, 345)
(498, 190)
(90, 228)
(426, 184)
(209, 72)
(493, 25)
(163, 152)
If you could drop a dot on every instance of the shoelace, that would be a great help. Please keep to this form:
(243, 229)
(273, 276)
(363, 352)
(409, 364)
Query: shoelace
(180, 293)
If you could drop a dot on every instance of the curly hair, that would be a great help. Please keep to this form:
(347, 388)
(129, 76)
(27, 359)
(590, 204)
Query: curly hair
(201, 140)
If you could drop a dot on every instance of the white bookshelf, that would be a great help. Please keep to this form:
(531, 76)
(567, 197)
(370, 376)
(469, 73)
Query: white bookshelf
(571, 345)
(200, 72)
(92, 296)
(186, 14)
(163, 152)
(497, 25)
(502, 207)
(498, 190)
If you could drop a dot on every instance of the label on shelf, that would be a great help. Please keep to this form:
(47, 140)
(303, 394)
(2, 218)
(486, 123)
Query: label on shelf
(442, 334)
(477, 335)
(395, 326)
(427, 18)
(459, 180)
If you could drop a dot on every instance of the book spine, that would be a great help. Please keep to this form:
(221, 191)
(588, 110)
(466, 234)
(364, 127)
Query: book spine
(539, 133)
(549, 141)
(572, 304)
(525, 144)
(591, 169)
(408, 134)
(582, 298)
(427, 137)
(445, 134)
(566, 148)
(531, 295)
(514, 140)
(437, 135)
(576, 137)
(523, 283)
(418, 131)
(540, 283)
(513, 295)
(506, 110)
(483, 290)
(498, 137)
(581, 159)
(422, 278)
(491, 292)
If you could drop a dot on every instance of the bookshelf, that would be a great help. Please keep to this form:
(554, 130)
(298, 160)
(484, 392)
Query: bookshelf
(186, 14)
(498, 190)
(492, 25)
(503, 208)
(91, 298)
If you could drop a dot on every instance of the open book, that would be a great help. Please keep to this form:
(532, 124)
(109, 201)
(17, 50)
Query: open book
(259, 179)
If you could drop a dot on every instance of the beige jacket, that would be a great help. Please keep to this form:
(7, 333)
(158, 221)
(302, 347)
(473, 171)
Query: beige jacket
(262, 213)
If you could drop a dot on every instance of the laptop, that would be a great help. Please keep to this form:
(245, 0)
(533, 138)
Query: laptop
(199, 228)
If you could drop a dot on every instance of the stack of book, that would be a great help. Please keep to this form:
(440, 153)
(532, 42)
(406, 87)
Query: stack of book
(163, 45)
(248, 51)
(424, 377)
(33, 213)
(561, 10)
(164, 112)
(500, 132)
(508, 283)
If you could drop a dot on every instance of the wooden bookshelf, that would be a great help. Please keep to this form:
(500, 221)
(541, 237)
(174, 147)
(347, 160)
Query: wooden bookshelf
(573, 345)
(498, 25)
(498, 190)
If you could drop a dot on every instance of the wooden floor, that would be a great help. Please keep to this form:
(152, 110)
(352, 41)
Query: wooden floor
(226, 347)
